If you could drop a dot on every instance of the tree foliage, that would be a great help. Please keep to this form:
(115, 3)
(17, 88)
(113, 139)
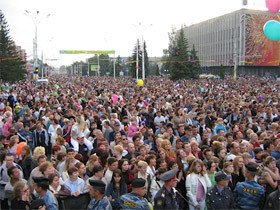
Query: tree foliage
(179, 61)
(12, 66)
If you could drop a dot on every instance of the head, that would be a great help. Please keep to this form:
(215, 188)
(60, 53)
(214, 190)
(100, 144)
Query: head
(270, 162)
(54, 179)
(196, 167)
(112, 163)
(46, 168)
(138, 186)
(21, 189)
(228, 167)
(142, 167)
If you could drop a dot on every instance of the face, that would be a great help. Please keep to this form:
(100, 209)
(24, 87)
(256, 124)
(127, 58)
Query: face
(71, 154)
(25, 191)
(213, 167)
(99, 174)
(137, 141)
(143, 170)
(173, 183)
(153, 162)
(9, 161)
(163, 164)
(117, 178)
(229, 169)
(114, 166)
(222, 153)
(187, 148)
(141, 191)
(198, 168)
(208, 155)
(49, 170)
(272, 165)
(75, 175)
(55, 182)
(240, 163)
(82, 169)
(16, 173)
(125, 166)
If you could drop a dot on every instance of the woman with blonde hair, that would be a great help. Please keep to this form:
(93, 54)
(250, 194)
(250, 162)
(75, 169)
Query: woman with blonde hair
(197, 183)
(69, 162)
(13, 146)
(228, 169)
(238, 172)
(166, 146)
(80, 127)
(118, 150)
(36, 153)
(142, 173)
(92, 161)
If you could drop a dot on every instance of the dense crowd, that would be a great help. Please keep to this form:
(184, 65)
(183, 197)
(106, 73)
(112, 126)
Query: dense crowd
(84, 142)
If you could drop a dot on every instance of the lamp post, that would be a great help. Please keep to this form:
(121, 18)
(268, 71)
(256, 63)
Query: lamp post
(36, 22)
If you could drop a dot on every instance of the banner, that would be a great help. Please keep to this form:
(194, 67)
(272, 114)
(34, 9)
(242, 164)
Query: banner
(87, 51)
(93, 67)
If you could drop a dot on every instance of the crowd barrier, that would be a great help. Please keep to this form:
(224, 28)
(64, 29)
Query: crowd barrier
(71, 202)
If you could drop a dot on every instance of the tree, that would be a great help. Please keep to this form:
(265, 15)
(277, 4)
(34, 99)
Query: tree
(146, 57)
(12, 66)
(180, 68)
(222, 71)
(119, 66)
(133, 60)
(195, 66)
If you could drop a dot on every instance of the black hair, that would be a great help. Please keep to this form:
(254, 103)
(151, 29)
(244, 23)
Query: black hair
(122, 183)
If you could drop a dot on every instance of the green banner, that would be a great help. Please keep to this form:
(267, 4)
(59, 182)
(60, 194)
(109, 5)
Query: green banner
(87, 51)
(93, 67)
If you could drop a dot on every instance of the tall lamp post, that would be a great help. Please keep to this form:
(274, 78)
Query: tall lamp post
(36, 22)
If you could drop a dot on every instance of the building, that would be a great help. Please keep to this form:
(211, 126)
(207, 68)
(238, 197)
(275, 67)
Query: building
(235, 38)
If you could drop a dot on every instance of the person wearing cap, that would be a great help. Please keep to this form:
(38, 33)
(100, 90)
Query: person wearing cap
(42, 188)
(83, 148)
(166, 197)
(99, 199)
(273, 200)
(220, 196)
(38, 204)
(249, 194)
(135, 199)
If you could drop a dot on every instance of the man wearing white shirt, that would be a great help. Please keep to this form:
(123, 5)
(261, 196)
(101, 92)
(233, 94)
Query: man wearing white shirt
(159, 118)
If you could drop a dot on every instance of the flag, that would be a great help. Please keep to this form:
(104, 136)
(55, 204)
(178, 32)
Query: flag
(138, 67)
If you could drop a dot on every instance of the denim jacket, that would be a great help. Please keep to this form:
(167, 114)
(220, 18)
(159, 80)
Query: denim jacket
(115, 195)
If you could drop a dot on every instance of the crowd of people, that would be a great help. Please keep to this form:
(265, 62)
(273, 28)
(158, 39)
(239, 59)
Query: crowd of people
(112, 144)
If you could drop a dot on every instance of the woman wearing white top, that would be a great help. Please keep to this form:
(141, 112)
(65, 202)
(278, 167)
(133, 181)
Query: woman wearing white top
(197, 183)
(80, 127)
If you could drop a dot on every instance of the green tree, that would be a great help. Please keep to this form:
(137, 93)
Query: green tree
(12, 66)
(119, 66)
(146, 57)
(180, 68)
(195, 66)
(133, 59)
(222, 71)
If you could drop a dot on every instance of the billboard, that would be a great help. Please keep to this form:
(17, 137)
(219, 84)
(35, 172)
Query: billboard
(260, 50)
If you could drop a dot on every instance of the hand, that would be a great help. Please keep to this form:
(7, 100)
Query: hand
(197, 206)
(110, 198)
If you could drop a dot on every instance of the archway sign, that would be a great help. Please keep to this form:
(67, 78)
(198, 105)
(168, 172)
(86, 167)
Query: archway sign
(91, 52)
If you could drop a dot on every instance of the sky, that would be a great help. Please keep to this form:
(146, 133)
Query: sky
(106, 24)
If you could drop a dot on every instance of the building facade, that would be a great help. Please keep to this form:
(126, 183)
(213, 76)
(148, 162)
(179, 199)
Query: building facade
(237, 39)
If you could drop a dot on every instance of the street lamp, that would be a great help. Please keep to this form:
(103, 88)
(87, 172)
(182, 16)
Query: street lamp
(36, 22)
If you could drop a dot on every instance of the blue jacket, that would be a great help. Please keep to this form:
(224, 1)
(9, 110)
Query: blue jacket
(115, 195)
(249, 195)
(134, 201)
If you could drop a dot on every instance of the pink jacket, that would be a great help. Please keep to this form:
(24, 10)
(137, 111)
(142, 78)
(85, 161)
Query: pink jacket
(132, 129)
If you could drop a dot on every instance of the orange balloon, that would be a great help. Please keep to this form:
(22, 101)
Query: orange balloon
(19, 147)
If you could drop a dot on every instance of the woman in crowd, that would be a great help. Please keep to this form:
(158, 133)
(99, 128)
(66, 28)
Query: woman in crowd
(142, 173)
(80, 127)
(25, 162)
(36, 153)
(238, 175)
(197, 184)
(211, 171)
(56, 188)
(116, 188)
(81, 170)
(22, 198)
(228, 169)
(92, 161)
(124, 167)
(270, 175)
(46, 168)
(69, 162)
(179, 118)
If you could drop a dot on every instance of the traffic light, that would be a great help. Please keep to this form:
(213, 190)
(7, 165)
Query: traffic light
(36, 70)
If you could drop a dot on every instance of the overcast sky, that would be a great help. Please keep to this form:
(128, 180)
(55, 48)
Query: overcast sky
(106, 24)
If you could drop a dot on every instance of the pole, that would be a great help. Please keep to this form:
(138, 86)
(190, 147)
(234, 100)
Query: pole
(137, 61)
(42, 67)
(143, 60)
(98, 73)
(88, 69)
(235, 54)
(114, 67)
